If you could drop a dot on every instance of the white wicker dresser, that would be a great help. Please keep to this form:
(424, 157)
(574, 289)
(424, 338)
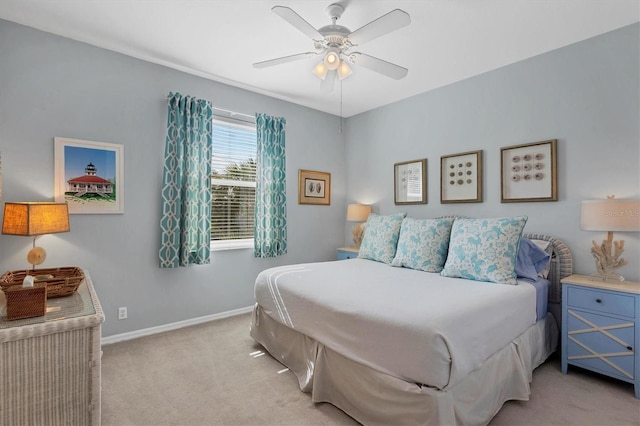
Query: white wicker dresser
(50, 365)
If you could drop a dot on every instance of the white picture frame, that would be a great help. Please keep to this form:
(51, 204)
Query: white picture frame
(89, 176)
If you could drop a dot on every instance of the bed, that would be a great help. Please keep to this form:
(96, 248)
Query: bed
(396, 344)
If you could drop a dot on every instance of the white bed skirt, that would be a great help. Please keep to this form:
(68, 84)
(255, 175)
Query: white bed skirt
(375, 398)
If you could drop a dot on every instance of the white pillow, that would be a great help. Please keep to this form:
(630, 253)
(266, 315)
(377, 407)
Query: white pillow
(484, 249)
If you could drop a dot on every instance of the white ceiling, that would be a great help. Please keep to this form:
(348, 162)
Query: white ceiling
(447, 40)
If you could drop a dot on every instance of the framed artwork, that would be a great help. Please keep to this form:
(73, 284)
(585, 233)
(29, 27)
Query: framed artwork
(89, 176)
(461, 178)
(528, 172)
(410, 182)
(314, 187)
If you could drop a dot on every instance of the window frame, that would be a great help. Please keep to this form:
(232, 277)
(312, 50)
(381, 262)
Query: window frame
(231, 119)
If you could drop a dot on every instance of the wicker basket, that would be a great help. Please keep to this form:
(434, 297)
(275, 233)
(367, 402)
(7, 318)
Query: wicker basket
(60, 281)
(26, 302)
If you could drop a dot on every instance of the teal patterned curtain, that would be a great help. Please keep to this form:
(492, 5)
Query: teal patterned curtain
(270, 231)
(186, 191)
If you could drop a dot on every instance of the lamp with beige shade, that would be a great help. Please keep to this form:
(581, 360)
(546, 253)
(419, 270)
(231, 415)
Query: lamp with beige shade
(35, 219)
(358, 213)
(611, 214)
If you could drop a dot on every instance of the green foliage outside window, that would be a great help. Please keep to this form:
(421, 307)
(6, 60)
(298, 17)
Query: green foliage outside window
(233, 202)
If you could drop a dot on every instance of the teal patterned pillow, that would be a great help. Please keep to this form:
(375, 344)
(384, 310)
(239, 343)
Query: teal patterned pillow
(484, 249)
(423, 244)
(381, 237)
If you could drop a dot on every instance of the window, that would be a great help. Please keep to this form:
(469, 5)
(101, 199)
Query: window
(233, 183)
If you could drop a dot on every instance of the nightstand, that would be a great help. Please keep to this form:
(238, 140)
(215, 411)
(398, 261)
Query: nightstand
(50, 365)
(601, 327)
(346, 253)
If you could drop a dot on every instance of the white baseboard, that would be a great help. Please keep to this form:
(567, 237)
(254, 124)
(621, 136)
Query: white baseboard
(172, 326)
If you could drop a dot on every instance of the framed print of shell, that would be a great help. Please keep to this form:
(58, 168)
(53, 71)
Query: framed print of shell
(314, 187)
(461, 178)
(528, 172)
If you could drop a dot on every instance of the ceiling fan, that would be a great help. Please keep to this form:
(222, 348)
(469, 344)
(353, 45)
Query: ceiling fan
(335, 44)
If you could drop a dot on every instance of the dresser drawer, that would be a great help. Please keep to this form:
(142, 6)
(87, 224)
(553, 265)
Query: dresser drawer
(601, 301)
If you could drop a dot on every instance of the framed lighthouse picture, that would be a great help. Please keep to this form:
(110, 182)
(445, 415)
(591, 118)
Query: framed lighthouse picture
(89, 176)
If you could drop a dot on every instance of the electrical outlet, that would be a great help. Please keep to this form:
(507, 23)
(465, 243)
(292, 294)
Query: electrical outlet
(122, 313)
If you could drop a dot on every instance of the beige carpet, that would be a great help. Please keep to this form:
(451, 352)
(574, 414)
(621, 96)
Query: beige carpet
(207, 375)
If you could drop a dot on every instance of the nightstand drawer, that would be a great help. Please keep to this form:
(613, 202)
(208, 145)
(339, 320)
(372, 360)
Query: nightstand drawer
(601, 343)
(601, 301)
(344, 253)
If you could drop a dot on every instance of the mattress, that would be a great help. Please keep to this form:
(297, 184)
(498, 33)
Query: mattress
(366, 311)
(541, 285)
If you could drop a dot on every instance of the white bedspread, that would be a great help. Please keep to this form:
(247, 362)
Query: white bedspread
(414, 325)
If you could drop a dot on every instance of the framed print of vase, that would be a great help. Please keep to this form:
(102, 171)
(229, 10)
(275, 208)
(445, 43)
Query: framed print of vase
(528, 172)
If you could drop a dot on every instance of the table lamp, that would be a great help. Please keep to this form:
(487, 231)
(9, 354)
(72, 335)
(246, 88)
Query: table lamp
(358, 213)
(609, 215)
(35, 219)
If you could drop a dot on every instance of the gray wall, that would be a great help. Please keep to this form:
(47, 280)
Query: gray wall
(585, 95)
(52, 86)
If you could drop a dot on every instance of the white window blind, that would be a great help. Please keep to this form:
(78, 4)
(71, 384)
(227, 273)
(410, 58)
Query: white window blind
(233, 183)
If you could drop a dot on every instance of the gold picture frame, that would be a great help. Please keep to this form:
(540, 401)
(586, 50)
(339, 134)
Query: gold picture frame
(314, 187)
(528, 172)
(410, 182)
(461, 178)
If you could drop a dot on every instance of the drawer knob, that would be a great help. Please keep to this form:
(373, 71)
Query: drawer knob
(598, 300)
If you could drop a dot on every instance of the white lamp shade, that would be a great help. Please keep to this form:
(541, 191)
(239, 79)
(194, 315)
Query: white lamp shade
(610, 215)
(321, 70)
(358, 212)
(344, 70)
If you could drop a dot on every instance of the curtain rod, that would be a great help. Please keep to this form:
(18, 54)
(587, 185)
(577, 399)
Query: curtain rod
(231, 114)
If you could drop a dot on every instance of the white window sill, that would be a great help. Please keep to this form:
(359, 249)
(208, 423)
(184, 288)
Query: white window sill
(232, 244)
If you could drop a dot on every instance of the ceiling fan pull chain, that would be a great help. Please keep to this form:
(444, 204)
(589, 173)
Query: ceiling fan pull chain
(341, 119)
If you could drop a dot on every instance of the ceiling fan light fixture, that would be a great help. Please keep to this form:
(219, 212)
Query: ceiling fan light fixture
(333, 43)
(344, 70)
(332, 58)
(321, 70)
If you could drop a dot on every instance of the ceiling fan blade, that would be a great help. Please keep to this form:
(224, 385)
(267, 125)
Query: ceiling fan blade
(297, 21)
(378, 65)
(385, 24)
(283, 60)
(327, 84)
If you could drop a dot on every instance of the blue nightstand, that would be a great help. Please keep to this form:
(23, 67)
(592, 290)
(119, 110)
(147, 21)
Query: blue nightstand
(346, 253)
(601, 327)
